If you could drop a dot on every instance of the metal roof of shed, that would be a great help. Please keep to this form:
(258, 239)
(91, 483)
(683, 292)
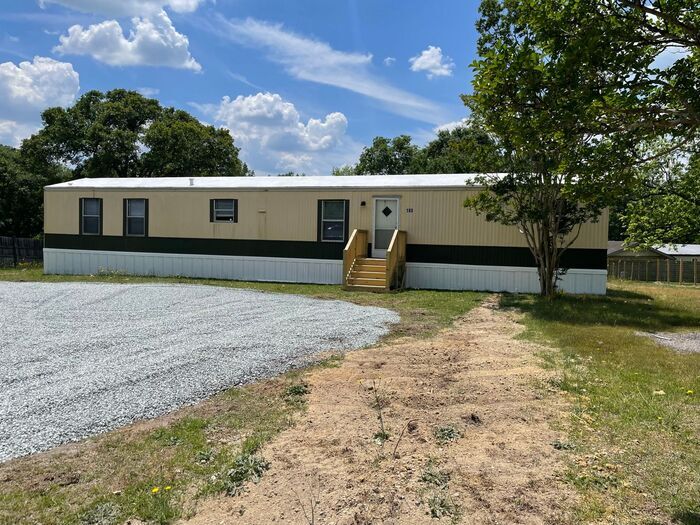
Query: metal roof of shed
(679, 249)
(263, 183)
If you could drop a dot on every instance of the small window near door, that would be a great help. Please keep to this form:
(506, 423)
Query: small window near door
(223, 210)
(136, 217)
(332, 220)
(90, 216)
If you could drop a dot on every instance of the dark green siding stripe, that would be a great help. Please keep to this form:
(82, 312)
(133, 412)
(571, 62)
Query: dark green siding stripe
(477, 255)
(501, 256)
(243, 247)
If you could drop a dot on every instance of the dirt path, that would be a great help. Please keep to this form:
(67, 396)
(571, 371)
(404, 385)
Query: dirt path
(503, 469)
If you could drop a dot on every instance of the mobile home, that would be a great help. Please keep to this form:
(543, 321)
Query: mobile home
(361, 232)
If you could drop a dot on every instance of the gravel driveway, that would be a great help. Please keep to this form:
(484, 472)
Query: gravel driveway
(77, 359)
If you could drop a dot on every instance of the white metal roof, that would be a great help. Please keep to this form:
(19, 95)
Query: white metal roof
(253, 183)
(671, 250)
(679, 249)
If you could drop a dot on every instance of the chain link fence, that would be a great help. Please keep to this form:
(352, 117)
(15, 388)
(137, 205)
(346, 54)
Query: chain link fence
(661, 270)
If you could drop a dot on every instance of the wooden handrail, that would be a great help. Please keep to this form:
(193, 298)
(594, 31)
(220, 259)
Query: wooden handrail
(356, 247)
(396, 260)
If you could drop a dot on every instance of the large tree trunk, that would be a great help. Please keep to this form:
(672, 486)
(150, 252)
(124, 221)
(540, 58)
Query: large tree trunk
(547, 269)
(546, 252)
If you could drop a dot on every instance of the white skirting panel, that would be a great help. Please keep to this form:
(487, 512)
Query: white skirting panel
(320, 271)
(498, 278)
(277, 269)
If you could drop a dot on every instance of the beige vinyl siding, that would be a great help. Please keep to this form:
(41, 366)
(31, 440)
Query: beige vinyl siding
(438, 215)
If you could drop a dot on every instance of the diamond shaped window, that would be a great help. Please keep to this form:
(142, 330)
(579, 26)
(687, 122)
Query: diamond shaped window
(386, 211)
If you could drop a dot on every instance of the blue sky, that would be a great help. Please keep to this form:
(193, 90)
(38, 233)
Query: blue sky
(301, 85)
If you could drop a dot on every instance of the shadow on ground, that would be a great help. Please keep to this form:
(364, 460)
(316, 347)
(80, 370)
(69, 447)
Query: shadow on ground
(688, 518)
(618, 308)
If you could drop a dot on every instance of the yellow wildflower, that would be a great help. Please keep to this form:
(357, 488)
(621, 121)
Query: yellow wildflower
(155, 490)
(168, 487)
(690, 392)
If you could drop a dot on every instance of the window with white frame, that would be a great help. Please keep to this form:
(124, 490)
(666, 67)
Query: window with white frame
(90, 216)
(332, 220)
(223, 210)
(135, 220)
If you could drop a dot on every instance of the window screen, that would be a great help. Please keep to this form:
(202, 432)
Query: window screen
(90, 216)
(136, 217)
(333, 221)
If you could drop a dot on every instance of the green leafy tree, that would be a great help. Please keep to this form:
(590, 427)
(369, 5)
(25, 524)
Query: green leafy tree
(124, 134)
(22, 195)
(643, 63)
(388, 157)
(648, 51)
(178, 145)
(343, 171)
(665, 208)
(540, 102)
(468, 148)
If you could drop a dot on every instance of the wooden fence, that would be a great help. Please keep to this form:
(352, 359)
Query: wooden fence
(661, 270)
(15, 250)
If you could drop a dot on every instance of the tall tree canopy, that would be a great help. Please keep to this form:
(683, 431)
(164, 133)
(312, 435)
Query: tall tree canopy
(468, 148)
(665, 207)
(536, 94)
(643, 62)
(646, 58)
(388, 157)
(124, 134)
(575, 93)
(21, 194)
(465, 149)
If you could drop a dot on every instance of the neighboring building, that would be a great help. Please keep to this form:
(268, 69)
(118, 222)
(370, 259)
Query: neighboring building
(295, 230)
(681, 252)
(670, 263)
(678, 252)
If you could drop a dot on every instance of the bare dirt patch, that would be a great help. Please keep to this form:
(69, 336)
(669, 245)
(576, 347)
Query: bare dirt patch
(471, 430)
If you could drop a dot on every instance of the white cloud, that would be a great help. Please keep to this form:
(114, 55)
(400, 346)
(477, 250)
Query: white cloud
(152, 42)
(316, 61)
(449, 126)
(148, 91)
(29, 88)
(433, 62)
(389, 61)
(12, 133)
(126, 7)
(243, 79)
(273, 137)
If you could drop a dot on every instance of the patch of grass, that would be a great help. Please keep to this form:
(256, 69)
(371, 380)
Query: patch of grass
(296, 394)
(101, 514)
(441, 505)
(446, 433)
(246, 467)
(423, 312)
(435, 477)
(435, 493)
(380, 437)
(634, 427)
(158, 504)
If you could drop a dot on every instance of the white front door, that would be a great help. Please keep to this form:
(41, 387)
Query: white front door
(386, 220)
